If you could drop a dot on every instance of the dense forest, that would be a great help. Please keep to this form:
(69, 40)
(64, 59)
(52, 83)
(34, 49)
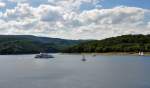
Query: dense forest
(125, 43)
(27, 44)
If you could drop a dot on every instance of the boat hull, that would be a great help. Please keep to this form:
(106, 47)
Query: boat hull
(43, 56)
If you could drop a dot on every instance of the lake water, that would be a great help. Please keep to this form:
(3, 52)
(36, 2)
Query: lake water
(68, 71)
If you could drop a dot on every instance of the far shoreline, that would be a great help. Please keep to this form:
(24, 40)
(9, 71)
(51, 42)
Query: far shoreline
(114, 53)
(92, 53)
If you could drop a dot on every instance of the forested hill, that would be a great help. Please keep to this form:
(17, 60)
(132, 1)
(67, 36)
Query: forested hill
(24, 44)
(125, 43)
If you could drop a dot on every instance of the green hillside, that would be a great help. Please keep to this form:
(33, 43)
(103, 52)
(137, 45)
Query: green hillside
(24, 44)
(125, 43)
(27, 44)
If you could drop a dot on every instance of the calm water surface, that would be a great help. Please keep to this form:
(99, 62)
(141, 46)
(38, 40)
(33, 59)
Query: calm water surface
(68, 71)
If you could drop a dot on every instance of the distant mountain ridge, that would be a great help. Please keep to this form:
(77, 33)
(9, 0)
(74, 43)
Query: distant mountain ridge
(36, 39)
(24, 44)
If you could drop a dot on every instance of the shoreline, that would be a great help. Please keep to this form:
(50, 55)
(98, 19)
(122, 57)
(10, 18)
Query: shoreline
(106, 53)
(115, 53)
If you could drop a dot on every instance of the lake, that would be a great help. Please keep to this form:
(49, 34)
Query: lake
(68, 71)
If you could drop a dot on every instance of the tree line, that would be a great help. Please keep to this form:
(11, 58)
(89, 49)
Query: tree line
(125, 43)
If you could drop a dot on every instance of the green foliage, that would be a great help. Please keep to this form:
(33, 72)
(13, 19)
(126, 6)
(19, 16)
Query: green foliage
(125, 43)
(24, 44)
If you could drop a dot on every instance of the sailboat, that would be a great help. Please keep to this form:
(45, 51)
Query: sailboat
(141, 53)
(83, 58)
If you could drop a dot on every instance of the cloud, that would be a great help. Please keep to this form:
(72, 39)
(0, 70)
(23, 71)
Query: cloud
(112, 22)
(73, 19)
(117, 15)
(50, 13)
(76, 5)
(102, 23)
(2, 4)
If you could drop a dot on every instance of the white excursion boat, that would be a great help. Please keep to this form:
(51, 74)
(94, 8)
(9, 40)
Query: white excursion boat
(44, 55)
(141, 53)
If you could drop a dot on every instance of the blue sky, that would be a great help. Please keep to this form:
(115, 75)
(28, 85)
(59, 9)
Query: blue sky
(133, 3)
(75, 19)
(104, 3)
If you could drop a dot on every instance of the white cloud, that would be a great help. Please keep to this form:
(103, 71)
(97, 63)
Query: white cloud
(18, 0)
(75, 5)
(102, 23)
(117, 15)
(69, 19)
(2, 4)
(50, 13)
(20, 12)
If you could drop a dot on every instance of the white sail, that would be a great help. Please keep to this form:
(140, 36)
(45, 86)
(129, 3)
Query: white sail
(142, 53)
(139, 53)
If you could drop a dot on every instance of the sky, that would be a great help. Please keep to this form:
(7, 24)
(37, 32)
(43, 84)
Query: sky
(74, 19)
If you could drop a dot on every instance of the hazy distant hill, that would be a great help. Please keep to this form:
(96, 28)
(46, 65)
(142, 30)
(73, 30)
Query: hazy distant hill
(125, 43)
(21, 44)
